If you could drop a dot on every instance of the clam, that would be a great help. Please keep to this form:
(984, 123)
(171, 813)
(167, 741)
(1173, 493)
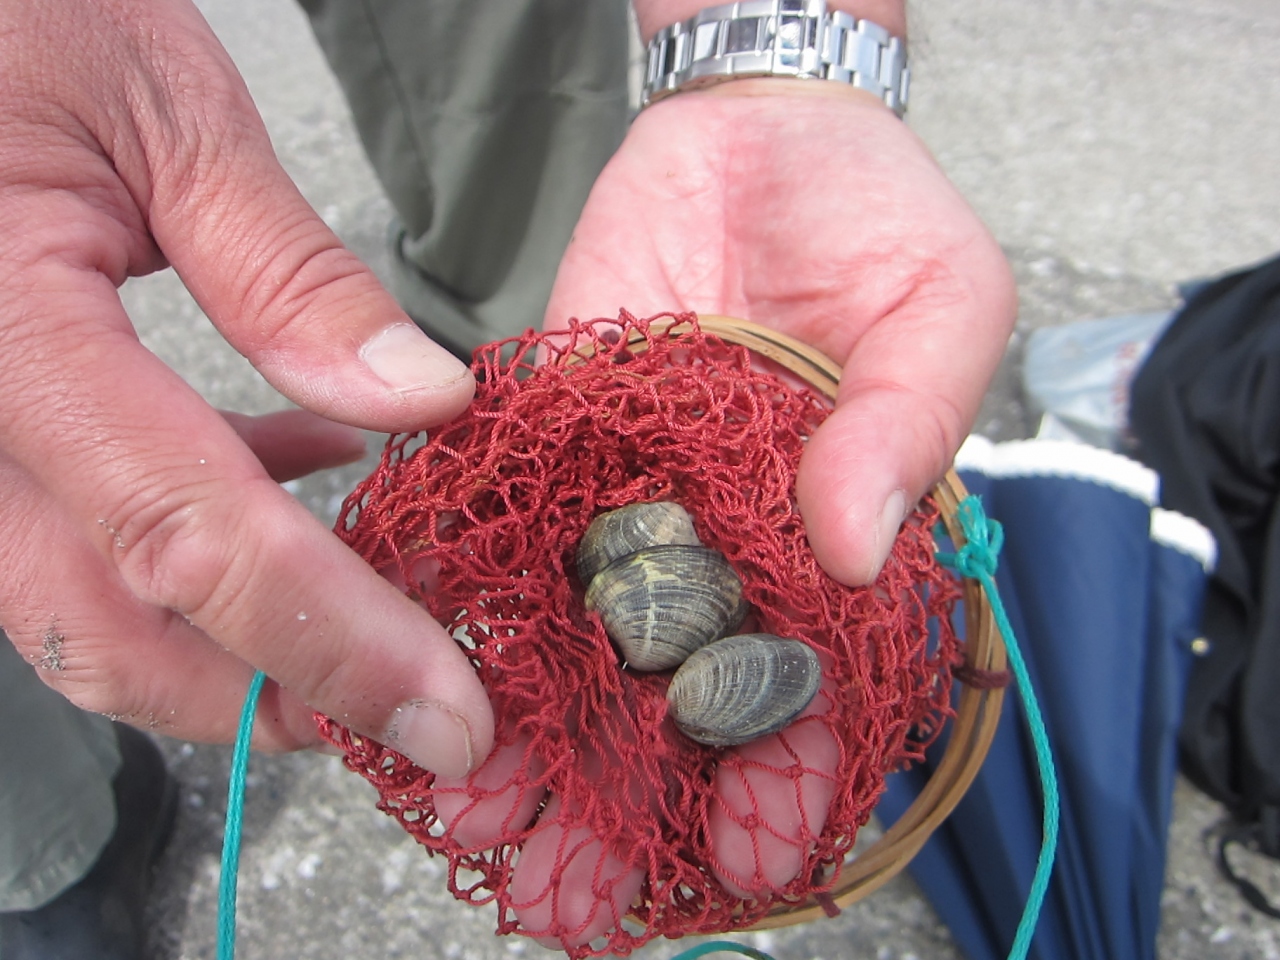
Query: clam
(660, 604)
(623, 531)
(743, 687)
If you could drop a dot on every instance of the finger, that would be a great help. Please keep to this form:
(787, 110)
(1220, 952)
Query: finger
(496, 802)
(293, 443)
(909, 392)
(568, 887)
(571, 885)
(193, 524)
(500, 799)
(266, 269)
(70, 615)
(767, 814)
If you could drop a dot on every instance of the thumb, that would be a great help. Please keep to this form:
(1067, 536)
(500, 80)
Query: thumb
(272, 276)
(909, 393)
(863, 472)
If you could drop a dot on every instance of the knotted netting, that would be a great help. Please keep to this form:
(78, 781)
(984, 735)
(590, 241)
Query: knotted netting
(595, 823)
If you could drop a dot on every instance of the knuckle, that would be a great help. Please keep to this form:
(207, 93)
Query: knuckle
(101, 693)
(326, 681)
(216, 581)
(87, 675)
(939, 427)
(190, 110)
(230, 565)
(946, 425)
(297, 266)
(183, 548)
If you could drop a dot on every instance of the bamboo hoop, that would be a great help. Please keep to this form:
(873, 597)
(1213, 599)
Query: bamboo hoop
(978, 711)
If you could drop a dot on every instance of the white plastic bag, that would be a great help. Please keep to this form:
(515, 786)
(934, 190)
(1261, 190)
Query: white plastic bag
(1077, 376)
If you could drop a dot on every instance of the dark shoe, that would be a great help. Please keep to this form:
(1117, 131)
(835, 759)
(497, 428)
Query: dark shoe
(101, 917)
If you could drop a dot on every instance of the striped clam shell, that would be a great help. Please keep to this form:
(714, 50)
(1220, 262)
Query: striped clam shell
(743, 687)
(662, 603)
(620, 532)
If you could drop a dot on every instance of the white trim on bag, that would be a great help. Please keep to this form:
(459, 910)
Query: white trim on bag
(1079, 461)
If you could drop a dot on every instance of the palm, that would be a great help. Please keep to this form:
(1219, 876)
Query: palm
(825, 218)
(819, 216)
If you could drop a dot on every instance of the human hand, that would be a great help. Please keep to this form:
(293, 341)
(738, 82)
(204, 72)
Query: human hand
(151, 561)
(812, 209)
(809, 208)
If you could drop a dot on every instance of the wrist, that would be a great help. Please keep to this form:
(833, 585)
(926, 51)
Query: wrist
(791, 87)
(653, 15)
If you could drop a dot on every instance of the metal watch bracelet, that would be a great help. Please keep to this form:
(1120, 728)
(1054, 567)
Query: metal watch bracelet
(776, 38)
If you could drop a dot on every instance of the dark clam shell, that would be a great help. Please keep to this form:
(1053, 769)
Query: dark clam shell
(661, 604)
(741, 688)
(617, 533)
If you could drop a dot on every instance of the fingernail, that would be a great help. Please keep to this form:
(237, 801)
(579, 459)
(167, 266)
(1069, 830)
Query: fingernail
(888, 524)
(405, 358)
(433, 737)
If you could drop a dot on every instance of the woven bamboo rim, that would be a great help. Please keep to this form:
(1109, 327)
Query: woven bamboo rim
(978, 711)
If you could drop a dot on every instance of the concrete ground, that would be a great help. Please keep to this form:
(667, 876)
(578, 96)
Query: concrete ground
(1114, 149)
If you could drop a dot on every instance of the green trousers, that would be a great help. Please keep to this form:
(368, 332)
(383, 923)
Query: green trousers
(487, 122)
(57, 808)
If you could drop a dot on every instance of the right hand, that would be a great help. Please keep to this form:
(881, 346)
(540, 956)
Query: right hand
(151, 562)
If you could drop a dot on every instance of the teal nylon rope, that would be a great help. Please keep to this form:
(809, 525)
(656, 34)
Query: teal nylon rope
(235, 820)
(721, 946)
(977, 560)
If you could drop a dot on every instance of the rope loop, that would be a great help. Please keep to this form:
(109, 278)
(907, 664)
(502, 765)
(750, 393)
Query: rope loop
(984, 537)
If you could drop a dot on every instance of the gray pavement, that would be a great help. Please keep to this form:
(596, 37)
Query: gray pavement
(1114, 149)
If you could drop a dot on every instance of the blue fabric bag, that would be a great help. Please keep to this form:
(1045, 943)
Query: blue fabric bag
(1103, 590)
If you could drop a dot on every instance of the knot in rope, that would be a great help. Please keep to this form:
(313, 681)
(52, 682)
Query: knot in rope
(984, 537)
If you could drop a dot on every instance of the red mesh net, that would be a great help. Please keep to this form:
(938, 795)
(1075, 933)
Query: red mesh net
(595, 823)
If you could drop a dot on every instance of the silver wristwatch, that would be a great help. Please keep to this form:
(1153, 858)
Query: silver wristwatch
(776, 38)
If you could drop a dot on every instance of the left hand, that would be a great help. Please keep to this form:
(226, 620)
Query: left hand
(809, 208)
